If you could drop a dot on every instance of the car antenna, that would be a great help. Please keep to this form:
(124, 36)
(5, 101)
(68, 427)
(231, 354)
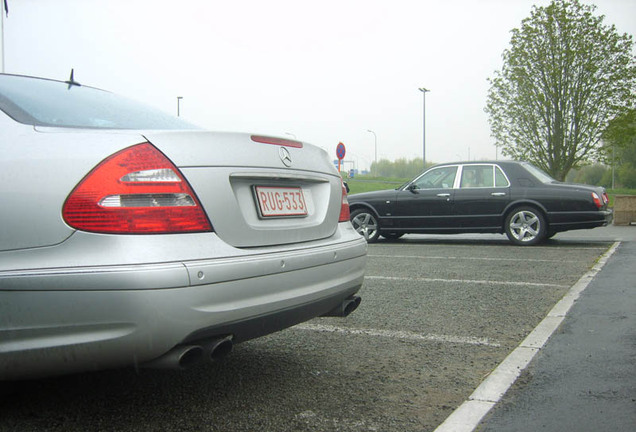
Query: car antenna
(71, 81)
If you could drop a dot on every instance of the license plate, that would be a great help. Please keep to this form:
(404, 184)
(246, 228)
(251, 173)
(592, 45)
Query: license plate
(280, 201)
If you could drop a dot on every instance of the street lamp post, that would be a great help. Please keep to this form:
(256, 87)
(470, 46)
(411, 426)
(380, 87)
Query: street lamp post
(424, 91)
(375, 140)
(179, 105)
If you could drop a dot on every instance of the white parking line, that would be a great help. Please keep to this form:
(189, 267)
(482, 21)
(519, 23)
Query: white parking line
(467, 417)
(469, 281)
(399, 334)
(467, 258)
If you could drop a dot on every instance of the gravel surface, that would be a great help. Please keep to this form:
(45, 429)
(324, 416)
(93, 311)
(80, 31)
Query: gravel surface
(437, 316)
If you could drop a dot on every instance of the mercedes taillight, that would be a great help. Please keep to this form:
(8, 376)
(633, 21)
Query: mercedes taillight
(135, 191)
(344, 206)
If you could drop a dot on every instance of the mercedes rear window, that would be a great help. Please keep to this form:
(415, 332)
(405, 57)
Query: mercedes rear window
(42, 102)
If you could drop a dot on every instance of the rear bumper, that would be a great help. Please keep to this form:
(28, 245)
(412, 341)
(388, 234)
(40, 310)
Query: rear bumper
(65, 320)
(565, 221)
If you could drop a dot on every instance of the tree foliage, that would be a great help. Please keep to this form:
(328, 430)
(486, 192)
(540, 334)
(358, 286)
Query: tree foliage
(564, 77)
(400, 168)
(621, 134)
(620, 147)
(591, 174)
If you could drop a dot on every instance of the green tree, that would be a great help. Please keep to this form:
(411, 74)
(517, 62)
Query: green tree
(564, 77)
(590, 174)
(621, 132)
(620, 147)
(400, 168)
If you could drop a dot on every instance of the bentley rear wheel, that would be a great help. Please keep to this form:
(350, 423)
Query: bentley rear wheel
(366, 224)
(525, 226)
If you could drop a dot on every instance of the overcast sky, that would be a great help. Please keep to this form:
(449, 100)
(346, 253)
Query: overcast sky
(324, 71)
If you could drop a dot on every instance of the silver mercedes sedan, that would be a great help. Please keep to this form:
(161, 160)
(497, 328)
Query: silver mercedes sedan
(131, 238)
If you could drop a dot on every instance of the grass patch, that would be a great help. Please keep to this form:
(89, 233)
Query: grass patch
(361, 184)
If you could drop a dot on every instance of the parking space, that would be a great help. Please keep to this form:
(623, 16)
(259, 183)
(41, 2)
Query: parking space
(438, 315)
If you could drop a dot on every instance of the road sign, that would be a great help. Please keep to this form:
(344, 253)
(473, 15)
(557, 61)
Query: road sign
(341, 151)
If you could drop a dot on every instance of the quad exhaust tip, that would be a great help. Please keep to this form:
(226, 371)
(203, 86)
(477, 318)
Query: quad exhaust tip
(185, 356)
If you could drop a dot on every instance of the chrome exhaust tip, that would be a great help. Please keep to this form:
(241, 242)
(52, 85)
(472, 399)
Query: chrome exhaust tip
(345, 308)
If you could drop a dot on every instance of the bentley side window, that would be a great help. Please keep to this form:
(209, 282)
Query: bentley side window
(477, 176)
(437, 178)
(500, 178)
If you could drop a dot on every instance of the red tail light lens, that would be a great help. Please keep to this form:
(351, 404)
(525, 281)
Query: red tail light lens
(597, 200)
(605, 198)
(344, 207)
(135, 191)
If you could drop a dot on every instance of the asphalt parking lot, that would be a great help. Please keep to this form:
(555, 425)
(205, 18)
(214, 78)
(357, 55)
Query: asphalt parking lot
(438, 315)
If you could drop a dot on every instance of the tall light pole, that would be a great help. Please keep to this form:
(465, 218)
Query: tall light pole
(179, 105)
(424, 91)
(375, 140)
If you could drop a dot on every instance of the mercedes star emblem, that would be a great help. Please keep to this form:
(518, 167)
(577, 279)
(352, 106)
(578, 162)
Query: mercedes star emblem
(285, 156)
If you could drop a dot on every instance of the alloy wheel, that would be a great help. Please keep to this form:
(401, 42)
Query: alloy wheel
(366, 224)
(525, 226)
